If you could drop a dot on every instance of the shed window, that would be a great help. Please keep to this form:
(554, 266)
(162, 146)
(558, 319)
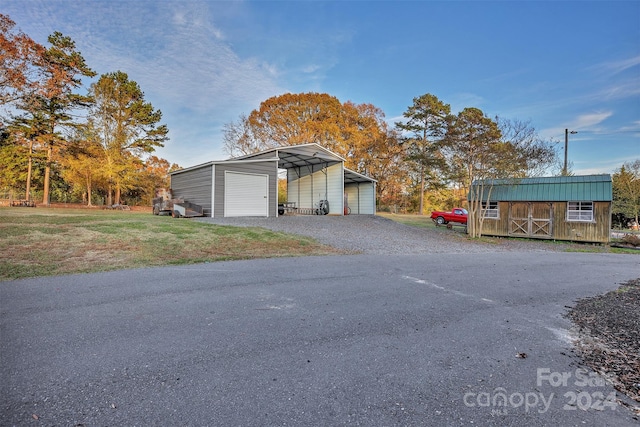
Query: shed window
(580, 211)
(490, 210)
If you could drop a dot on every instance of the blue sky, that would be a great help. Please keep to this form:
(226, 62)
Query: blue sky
(559, 64)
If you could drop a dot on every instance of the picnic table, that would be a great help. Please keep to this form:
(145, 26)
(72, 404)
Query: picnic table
(23, 203)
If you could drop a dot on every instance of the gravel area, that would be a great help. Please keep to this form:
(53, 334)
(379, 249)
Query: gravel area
(609, 337)
(372, 234)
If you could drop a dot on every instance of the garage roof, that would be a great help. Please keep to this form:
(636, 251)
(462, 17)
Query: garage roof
(294, 156)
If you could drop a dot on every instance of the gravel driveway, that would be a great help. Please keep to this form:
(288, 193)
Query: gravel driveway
(372, 234)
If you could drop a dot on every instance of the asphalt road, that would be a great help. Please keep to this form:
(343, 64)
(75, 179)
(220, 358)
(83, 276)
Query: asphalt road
(364, 340)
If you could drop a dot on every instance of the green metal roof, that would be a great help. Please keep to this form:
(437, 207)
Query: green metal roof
(589, 188)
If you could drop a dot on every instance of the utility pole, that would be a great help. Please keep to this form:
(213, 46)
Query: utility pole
(566, 147)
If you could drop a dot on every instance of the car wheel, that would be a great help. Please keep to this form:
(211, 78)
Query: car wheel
(440, 220)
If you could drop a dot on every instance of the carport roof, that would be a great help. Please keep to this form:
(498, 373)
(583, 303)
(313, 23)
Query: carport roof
(297, 155)
(307, 155)
(354, 177)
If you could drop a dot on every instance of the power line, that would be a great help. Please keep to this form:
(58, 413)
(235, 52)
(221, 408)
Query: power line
(595, 132)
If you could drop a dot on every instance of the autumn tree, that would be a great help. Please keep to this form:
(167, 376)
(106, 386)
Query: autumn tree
(48, 105)
(384, 162)
(626, 190)
(474, 152)
(425, 126)
(356, 132)
(154, 175)
(128, 128)
(18, 52)
(293, 119)
(82, 162)
(480, 150)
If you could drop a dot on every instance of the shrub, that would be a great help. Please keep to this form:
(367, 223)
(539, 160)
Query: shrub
(631, 239)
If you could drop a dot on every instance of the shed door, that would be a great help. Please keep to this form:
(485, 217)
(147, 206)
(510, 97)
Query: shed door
(246, 194)
(530, 219)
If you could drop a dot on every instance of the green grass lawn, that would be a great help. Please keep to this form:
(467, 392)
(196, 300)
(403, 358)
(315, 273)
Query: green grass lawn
(43, 241)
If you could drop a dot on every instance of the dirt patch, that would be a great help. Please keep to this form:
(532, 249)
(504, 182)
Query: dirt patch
(609, 337)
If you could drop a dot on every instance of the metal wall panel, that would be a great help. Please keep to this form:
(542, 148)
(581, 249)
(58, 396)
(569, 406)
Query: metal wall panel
(361, 198)
(195, 186)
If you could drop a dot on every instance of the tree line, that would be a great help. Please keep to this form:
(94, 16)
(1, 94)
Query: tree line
(57, 144)
(428, 159)
(431, 149)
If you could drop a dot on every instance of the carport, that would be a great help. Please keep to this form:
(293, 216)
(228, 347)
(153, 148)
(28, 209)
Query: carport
(248, 185)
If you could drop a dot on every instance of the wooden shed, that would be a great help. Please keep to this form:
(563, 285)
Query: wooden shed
(574, 208)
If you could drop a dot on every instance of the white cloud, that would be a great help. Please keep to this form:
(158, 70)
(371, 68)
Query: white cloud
(616, 67)
(604, 166)
(590, 120)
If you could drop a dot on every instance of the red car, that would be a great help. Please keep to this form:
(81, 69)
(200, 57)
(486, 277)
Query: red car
(458, 215)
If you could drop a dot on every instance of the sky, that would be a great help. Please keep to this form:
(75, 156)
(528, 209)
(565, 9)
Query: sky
(558, 64)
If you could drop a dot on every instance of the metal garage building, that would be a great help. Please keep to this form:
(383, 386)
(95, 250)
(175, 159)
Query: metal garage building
(248, 185)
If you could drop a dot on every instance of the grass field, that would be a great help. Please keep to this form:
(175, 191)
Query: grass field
(420, 221)
(49, 241)
(42, 242)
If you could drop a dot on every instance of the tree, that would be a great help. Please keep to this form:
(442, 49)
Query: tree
(480, 150)
(475, 153)
(50, 101)
(154, 176)
(238, 138)
(530, 155)
(426, 124)
(15, 151)
(18, 52)
(384, 161)
(357, 132)
(82, 161)
(293, 119)
(626, 190)
(127, 126)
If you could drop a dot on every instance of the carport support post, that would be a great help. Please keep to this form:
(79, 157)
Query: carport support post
(298, 174)
(326, 182)
(311, 176)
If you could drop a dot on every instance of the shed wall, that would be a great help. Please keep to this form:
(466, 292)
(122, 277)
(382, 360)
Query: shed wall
(597, 231)
(497, 226)
(361, 197)
(195, 186)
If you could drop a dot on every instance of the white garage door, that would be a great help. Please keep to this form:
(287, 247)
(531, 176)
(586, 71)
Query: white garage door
(246, 194)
